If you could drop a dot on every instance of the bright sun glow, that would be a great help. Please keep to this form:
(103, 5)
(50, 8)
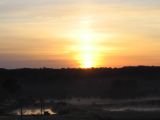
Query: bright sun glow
(87, 64)
(87, 60)
(86, 48)
(86, 37)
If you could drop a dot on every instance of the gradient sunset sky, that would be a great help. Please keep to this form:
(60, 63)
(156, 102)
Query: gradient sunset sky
(79, 33)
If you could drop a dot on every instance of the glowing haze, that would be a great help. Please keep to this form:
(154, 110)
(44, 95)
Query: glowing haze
(73, 33)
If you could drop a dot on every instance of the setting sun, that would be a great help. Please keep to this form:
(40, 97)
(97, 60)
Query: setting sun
(87, 60)
(85, 47)
(87, 55)
(86, 50)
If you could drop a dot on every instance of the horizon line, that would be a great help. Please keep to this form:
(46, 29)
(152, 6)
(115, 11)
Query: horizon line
(79, 67)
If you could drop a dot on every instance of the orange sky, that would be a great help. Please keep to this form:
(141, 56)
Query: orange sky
(69, 33)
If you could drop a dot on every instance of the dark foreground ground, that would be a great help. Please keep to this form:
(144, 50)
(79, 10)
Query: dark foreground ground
(93, 116)
(144, 109)
(23, 87)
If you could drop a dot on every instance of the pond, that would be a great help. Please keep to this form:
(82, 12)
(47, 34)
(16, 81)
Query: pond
(34, 111)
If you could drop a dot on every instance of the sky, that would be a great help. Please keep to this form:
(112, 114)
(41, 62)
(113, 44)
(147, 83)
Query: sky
(79, 34)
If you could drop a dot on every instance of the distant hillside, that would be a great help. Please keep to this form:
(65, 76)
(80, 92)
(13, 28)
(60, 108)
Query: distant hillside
(118, 83)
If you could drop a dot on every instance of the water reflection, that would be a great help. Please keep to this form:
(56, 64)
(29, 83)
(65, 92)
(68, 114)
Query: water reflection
(138, 109)
(34, 111)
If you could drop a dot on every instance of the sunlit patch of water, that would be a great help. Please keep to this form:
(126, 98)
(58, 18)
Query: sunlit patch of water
(34, 111)
(138, 109)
